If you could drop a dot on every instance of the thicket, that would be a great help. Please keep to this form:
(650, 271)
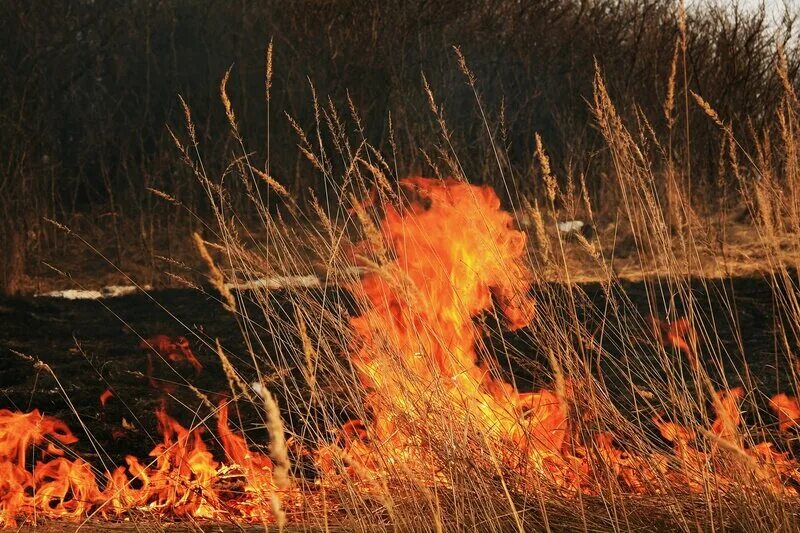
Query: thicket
(89, 88)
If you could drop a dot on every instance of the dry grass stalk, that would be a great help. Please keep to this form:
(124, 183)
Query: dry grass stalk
(277, 444)
(226, 101)
(541, 234)
(371, 231)
(187, 113)
(277, 511)
(273, 184)
(322, 215)
(587, 204)
(429, 93)
(708, 110)
(669, 101)
(268, 72)
(214, 274)
(380, 177)
(202, 397)
(783, 74)
(164, 196)
(380, 159)
(305, 146)
(462, 65)
(544, 162)
(235, 382)
(182, 281)
(309, 352)
(355, 115)
(436, 110)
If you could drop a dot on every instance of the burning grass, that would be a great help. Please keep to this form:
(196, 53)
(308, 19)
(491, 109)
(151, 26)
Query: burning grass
(404, 406)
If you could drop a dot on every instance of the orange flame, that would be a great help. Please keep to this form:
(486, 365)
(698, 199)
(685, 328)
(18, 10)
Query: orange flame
(678, 335)
(454, 257)
(787, 409)
(181, 479)
(105, 396)
(175, 350)
(726, 406)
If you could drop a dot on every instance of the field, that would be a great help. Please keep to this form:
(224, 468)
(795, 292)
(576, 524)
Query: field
(428, 308)
(91, 346)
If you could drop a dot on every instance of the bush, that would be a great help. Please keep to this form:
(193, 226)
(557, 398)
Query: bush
(90, 86)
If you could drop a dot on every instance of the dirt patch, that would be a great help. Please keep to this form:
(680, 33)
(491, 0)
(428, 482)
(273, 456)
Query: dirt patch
(168, 259)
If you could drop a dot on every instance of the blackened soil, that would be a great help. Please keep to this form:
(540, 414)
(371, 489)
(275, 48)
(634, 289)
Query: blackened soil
(91, 346)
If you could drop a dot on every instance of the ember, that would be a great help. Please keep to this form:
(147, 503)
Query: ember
(168, 350)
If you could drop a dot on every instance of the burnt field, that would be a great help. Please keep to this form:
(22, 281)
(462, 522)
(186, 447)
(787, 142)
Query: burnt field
(91, 346)
(443, 266)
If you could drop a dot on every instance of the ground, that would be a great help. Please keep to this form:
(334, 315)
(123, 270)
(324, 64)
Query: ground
(91, 346)
(168, 258)
(59, 356)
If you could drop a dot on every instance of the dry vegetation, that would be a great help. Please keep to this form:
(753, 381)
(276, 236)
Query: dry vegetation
(650, 442)
(89, 86)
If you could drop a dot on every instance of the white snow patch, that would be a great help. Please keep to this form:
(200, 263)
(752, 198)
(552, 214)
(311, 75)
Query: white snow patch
(571, 226)
(114, 291)
(110, 291)
(276, 282)
(72, 294)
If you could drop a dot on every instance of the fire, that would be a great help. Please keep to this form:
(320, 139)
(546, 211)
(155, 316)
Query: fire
(787, 409)
(162, 347)
(181, 478)
(450, 257)
(105, 396)
(454, 256)
(678, 335)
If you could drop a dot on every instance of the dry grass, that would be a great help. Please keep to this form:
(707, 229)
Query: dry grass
(99, 154)
(459, 474)
(431, 462)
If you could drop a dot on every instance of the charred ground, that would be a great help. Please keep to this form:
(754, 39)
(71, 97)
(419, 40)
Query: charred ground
(91, 346)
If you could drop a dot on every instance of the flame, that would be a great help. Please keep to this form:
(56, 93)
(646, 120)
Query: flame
(787, 409)
(450, 255)
(726, 406)
(679, 335)
(454, 256)
(256, 468)
(166, 348)
(105, 396)
(181, 478)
